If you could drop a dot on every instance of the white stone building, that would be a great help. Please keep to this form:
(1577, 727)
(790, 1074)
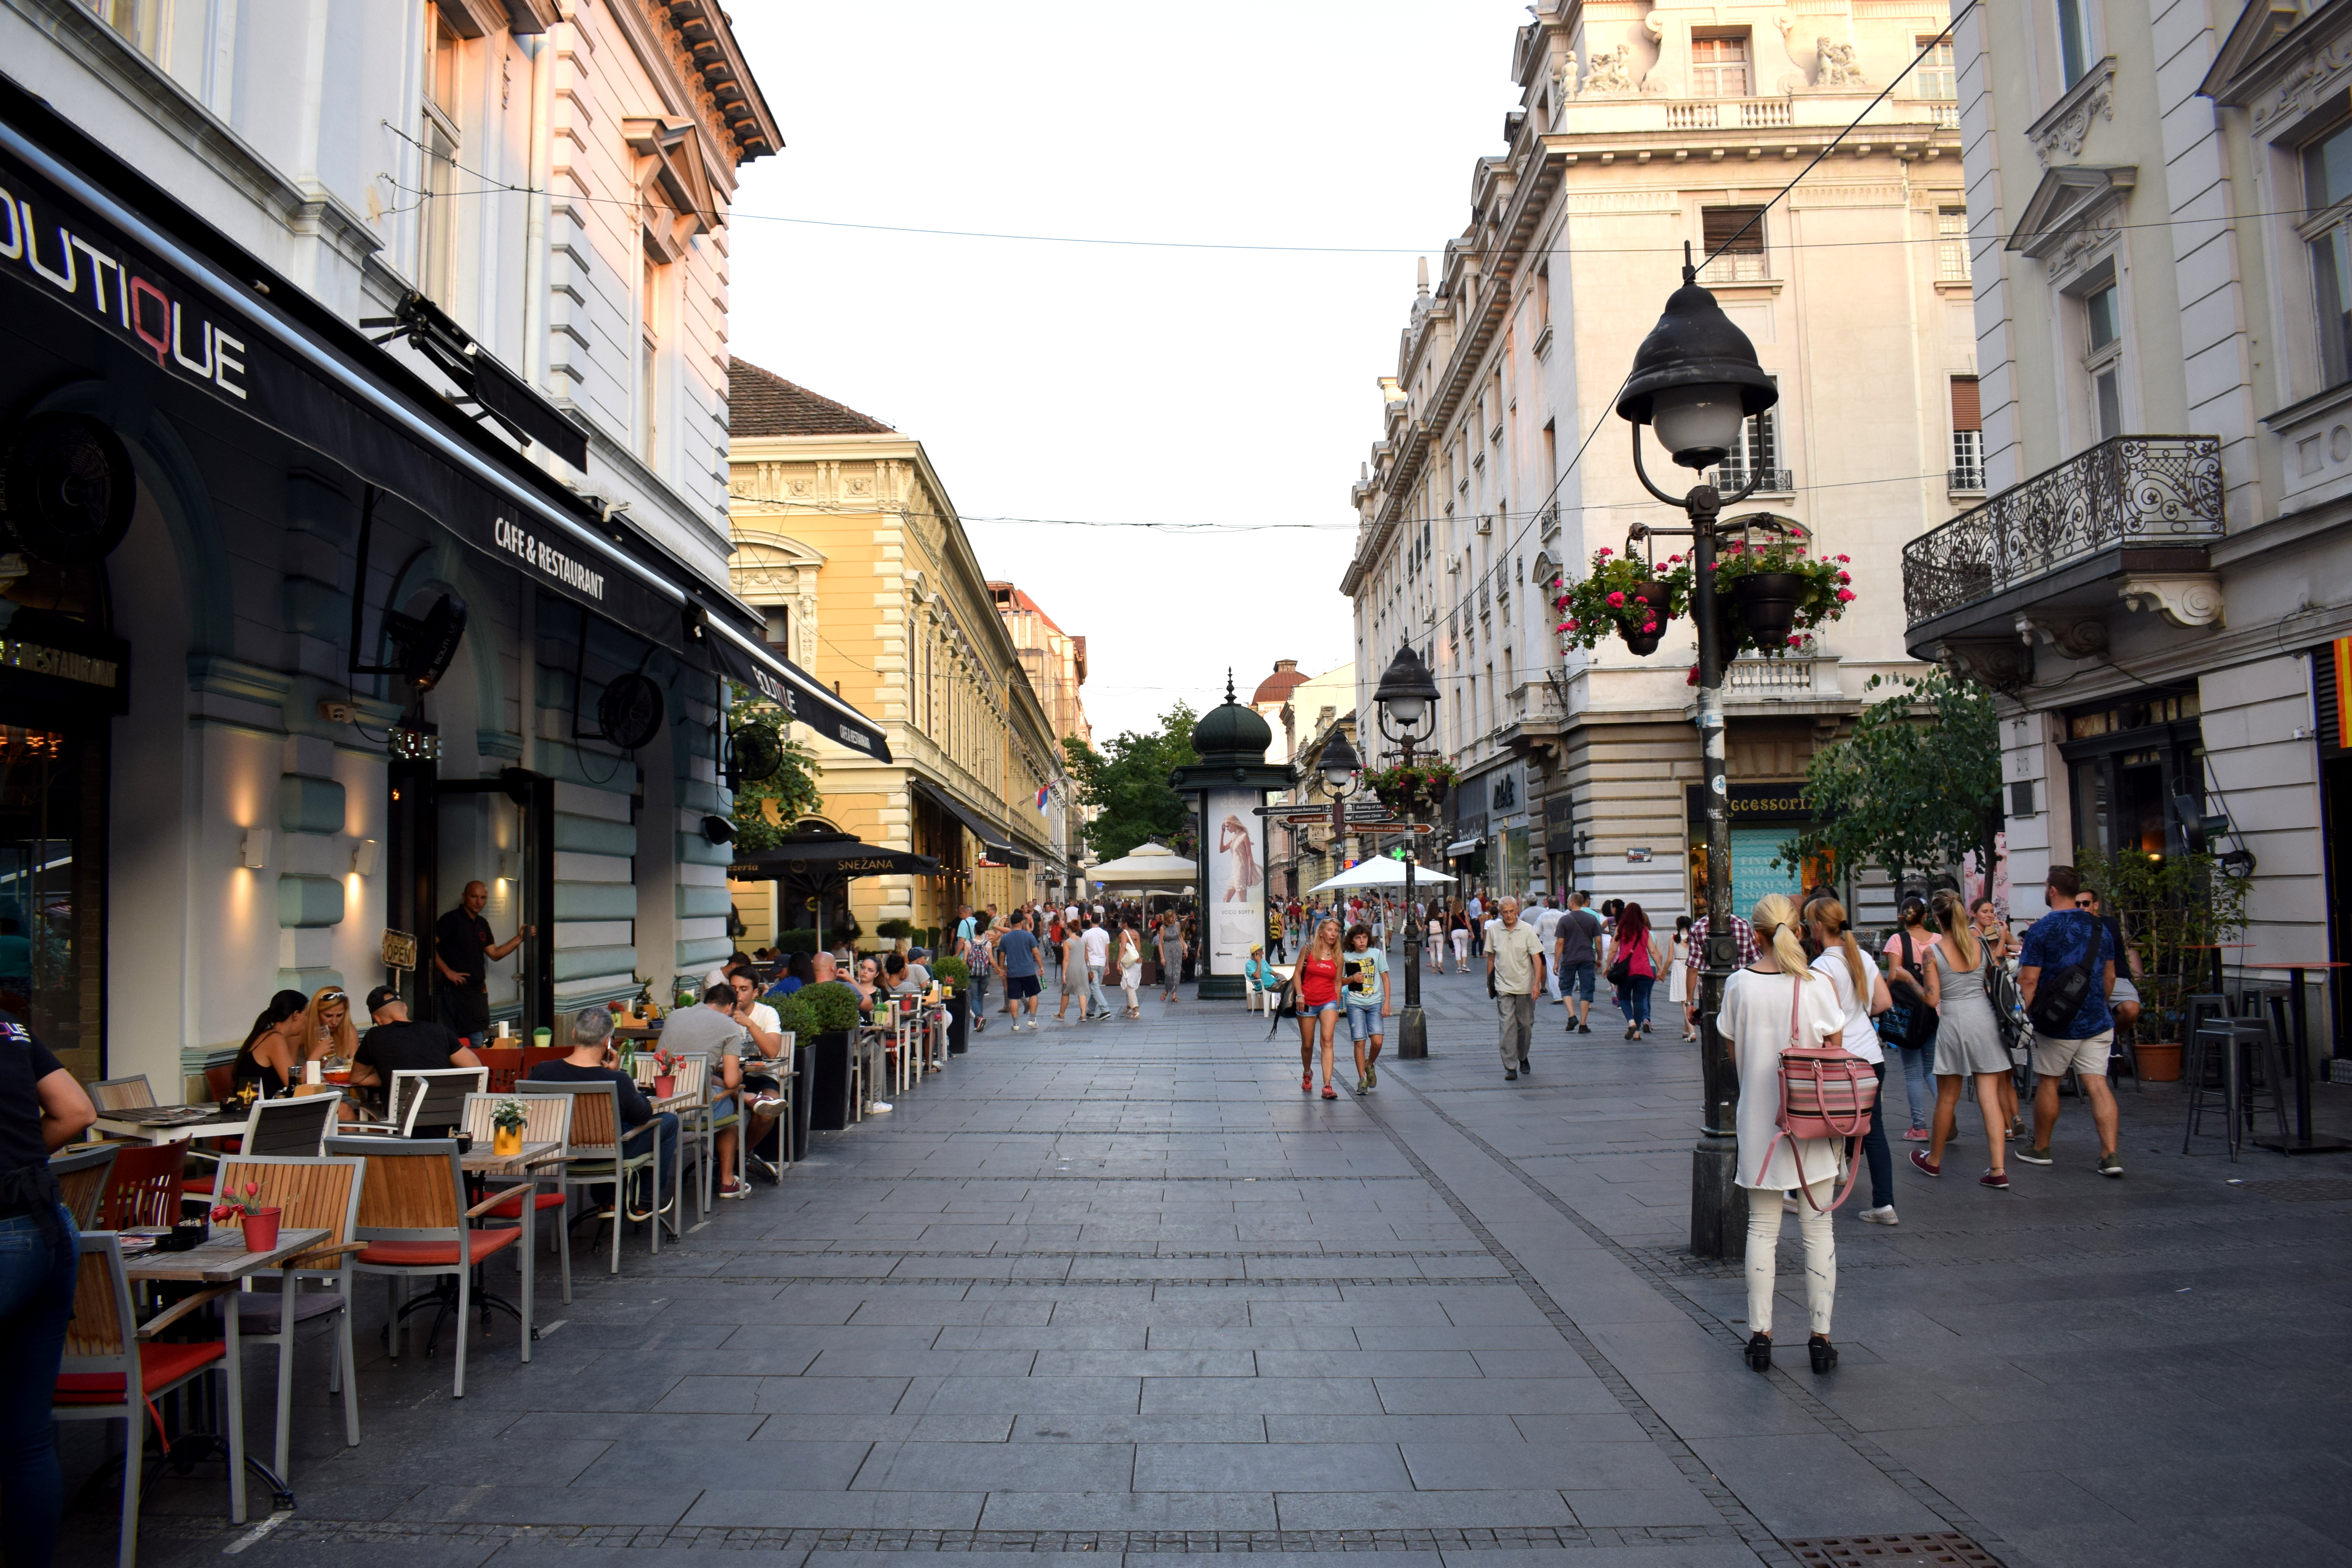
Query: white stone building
(1642, 127)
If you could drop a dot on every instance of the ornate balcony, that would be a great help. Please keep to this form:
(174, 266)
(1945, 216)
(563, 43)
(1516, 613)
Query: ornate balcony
(2154, 495)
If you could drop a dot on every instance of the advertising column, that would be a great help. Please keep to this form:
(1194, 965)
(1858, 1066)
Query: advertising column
(1232, 882)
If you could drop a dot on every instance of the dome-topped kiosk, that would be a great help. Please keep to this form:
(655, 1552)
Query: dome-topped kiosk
(1228, 785)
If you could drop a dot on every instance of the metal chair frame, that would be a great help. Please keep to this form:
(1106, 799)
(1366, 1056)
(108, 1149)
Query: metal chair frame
(295, 1128)
(313, 1192)
(548, 1119)
(598, 1157)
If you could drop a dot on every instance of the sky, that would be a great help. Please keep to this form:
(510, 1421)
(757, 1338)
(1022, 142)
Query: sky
(1121, 383)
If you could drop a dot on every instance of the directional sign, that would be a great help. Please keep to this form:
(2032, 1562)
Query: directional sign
(1390, 828)
(1296, 813)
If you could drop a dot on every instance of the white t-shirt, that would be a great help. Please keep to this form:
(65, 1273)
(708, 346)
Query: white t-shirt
(763, 1017)
(1546, 923)
(1860, 1037)
(1098, 947)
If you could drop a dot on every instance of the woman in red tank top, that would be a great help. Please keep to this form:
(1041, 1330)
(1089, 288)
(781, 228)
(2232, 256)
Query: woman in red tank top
(1318, 1005)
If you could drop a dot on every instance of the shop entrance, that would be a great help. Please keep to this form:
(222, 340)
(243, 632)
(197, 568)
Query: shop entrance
(500, 832)
(53, 888)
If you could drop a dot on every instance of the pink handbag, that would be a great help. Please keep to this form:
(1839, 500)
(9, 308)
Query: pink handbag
(1826, 1091)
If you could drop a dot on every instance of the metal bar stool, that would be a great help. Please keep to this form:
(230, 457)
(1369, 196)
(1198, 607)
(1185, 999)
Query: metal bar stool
(2230, 1040)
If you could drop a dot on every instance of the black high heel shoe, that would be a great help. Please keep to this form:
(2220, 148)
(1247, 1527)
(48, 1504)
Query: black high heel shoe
(1759, 1351)
(1824, 1353)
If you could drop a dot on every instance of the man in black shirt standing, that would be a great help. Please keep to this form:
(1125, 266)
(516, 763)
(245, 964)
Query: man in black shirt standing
(462, 951)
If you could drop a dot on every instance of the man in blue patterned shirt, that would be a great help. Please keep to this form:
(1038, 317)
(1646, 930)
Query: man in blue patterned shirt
(2056, 944)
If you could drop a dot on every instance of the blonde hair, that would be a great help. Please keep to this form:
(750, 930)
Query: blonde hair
(1340, 944)
(1775, 920)
(1831, 916)
(347, 1038)
(1952, 920)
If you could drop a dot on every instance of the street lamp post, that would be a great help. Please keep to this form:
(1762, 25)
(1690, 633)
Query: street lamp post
(1695, 380)
(1406, 700)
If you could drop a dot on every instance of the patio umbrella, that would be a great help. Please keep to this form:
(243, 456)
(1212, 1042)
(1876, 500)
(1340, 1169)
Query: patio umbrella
(1381, 872)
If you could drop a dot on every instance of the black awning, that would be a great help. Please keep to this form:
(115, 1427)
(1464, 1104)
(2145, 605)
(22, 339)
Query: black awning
(89, 236)
(995, 843)
(824, 855)
(779, 680)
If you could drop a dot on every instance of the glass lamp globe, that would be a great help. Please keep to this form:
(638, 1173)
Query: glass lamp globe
(1698, 424)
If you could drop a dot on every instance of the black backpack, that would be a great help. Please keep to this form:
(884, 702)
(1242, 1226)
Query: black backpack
(2058, 997)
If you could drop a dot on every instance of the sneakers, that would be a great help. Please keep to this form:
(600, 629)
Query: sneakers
(1330, 1093)
(1525, 1068)
(2109, 1166)
(2032, 1156)
(1510, 1075)
(1919, 1159)
(1879, 1215)
(1917, 1135)
(1585, 1028)
(1997, 1179)
(1372, 1077)
(1306, 1082)
(1360, 1084)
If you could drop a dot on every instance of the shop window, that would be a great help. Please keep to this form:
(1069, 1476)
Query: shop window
(2327, 234)
(1719, 65)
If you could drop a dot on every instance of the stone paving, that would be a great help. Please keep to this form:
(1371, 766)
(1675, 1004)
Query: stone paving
(1123, 1290)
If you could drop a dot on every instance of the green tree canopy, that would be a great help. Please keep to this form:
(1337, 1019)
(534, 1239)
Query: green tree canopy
(1915, 786)
(765, 809)
(1126, 782)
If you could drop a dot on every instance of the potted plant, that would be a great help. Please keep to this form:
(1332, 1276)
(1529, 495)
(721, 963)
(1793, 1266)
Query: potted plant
(1420, 786)
(1776, 591)
(1629, 597)
(259, 1221)
(895, 931)
(823, 1016)
(2173, 910)
(507, 1118)
(955, 974)
(665, 1073)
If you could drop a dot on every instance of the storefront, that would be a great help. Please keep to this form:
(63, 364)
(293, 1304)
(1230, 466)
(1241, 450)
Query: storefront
(1764, 817)
(380, 649)
(2129, 762)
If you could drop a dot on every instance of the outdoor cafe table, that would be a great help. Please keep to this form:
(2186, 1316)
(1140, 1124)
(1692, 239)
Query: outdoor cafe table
(154, 1123)
(2303, 1140)
(224, 1261)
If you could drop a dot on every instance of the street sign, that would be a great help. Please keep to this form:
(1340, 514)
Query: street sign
(1296, 813)
(1390, 828)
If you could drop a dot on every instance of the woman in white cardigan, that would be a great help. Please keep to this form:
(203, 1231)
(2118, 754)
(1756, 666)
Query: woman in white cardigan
(1758, 1003)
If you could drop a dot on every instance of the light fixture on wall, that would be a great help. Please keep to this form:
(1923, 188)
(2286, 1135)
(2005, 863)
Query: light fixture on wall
(254, 853)
(364, 856)
(506, 866)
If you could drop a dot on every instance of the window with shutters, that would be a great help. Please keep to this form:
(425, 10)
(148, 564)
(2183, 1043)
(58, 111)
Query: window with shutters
(1719, 65)
(1734, 236)
(1968, 436)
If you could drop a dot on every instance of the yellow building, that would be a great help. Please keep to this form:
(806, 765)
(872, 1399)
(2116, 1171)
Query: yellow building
(846, 540)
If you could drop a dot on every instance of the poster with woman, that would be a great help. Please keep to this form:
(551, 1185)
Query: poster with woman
(1233, 883)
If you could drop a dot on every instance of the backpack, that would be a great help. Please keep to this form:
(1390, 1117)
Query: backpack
(2057, 998)
(1826, 1091)
(1910, 1023)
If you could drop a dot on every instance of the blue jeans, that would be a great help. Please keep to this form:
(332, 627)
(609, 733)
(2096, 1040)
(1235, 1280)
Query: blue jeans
(36, 1291)
(1637, 997)
(1875, 1151)
(633, 1143)
(1919, 1081)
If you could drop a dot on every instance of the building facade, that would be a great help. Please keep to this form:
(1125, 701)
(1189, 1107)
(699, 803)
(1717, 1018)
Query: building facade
(848, 545)
(1056, 663)
(1501, 467)
(2160, 584)
(395, 329)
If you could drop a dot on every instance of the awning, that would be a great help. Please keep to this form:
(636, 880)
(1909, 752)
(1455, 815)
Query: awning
(822, 856)
(787, 685)
(89, 236)
(996, 846)
(1463, 846)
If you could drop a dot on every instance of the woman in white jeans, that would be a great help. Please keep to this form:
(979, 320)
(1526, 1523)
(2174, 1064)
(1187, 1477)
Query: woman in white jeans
(1758, 1005)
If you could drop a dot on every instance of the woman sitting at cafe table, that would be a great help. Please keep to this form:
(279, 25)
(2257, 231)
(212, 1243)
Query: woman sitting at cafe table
(276, 1046)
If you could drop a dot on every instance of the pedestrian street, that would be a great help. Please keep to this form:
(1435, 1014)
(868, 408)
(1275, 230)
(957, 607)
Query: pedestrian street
(1122, 1289)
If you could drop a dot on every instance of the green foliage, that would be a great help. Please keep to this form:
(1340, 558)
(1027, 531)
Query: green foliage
(800, 940)
(792, 787)
(1127, 783)
(952, 969)
(893, 930)
(1604, 599)
(1826, 594)
(2170, 907)
(824, 1009)
(1915, 786)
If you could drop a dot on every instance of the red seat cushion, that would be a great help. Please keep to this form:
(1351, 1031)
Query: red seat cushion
(159, 1365)
(512, 1208)
(480, 1243)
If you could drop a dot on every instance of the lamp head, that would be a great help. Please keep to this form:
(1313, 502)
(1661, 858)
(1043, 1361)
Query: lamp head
(1339, 764)
(1696, 378)
(1406, 691)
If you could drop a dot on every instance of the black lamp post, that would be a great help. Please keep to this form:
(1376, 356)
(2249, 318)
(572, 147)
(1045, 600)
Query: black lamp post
(1695, 380)
(1406, 700)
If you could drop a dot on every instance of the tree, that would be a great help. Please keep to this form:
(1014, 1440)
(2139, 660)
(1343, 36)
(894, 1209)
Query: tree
(765, 809)
(1127, 783)
(1916, 784)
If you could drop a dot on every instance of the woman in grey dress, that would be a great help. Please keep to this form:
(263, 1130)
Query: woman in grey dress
(1968, 1039)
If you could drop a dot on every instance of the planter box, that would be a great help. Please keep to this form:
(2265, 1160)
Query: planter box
(828, 1083)
(2158, 1061)
(958, 1023)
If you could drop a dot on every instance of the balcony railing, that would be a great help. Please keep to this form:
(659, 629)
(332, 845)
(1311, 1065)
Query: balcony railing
(1774, 481)
(1754, 676)
(1736, 267)
(1742, 112)
(1968, 477)
(2131, 491)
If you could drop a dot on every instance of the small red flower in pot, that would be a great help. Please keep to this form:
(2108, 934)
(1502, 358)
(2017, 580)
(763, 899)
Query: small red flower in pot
(260, 1221)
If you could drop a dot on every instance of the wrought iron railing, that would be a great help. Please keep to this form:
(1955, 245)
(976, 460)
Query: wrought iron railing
(1729, 478)
(2132, 490)
(1967, 477)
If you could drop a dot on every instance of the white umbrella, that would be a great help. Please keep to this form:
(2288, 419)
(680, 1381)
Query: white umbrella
(1147, 864)
(1381, 872)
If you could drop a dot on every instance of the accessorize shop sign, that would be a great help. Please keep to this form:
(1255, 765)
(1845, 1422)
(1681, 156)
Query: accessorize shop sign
(317, 393)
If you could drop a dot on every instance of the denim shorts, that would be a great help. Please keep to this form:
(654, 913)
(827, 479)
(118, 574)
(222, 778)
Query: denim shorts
(1317, 1009)
(1576, 980)
(1363, 1020)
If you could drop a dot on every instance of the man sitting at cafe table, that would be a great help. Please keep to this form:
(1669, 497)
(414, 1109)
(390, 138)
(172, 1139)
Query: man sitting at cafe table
(715, 1029)
(593, 1060)
(766, 1033)
(398, 1043)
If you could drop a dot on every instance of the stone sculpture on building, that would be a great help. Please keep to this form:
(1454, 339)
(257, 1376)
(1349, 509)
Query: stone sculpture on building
(1837, 66)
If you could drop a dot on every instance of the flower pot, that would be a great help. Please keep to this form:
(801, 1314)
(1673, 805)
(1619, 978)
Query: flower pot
(1766, 605)
(506, 1141)
(2158, 1061)
(665, 1085)
(1656, 598)
(261, 1230)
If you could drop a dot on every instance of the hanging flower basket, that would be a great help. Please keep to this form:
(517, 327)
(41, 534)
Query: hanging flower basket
(1777, 594)
(1631, 598)
(1420, 787)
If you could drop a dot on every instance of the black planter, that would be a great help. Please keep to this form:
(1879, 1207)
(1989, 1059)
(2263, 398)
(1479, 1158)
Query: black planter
(1656, 597)
(1766, 605)
(799, 1119)
(958, 1022)
(828, 1081)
